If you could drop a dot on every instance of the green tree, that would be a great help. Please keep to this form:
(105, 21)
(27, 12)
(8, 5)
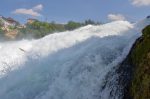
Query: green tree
(72, 25)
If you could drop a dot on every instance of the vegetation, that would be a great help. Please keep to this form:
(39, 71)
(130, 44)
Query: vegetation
(39, 29)
(89, 21)
(2, 34)
(140, 56)
(72, 25)
(1, 31)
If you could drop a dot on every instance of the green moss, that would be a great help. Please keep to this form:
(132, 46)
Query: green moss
(140, 56)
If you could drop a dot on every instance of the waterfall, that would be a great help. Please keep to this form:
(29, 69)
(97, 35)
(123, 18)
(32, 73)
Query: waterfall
(68, 65)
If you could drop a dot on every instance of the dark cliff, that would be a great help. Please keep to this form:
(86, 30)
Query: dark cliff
(135, 69)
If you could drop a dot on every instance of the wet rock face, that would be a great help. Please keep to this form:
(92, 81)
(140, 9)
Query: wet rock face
(135, 69)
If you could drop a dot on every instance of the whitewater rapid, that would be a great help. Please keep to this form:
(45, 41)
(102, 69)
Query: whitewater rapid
(67, 65)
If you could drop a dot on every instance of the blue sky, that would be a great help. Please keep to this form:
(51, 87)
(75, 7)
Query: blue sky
(77, 10)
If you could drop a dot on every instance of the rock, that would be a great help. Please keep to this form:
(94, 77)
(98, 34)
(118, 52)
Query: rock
(135, 69)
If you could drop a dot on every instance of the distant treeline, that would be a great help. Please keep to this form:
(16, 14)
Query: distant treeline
(39, 29)
(2, 34)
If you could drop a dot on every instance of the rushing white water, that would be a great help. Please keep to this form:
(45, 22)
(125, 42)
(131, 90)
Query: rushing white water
(68, 65)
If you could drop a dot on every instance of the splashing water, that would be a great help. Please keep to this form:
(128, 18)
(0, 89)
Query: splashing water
(68, 65)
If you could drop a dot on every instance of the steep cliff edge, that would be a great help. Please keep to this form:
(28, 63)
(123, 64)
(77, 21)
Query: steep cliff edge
(135, 75)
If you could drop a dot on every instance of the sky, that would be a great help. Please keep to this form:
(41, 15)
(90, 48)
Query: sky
(77, 10)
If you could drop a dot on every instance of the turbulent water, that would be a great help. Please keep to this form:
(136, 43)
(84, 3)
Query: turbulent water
(69, 65)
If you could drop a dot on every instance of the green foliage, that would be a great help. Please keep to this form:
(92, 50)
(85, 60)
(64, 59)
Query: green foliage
(140, 88)
(72, 25)
(89, 21)
(1, 23)
(39, 29)
(142, 47)
(1, 29)
(12, 27)
(1, 33)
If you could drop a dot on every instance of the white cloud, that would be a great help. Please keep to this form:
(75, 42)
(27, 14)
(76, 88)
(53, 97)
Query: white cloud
(141, 2)
(33, 11)
(27, 12)
(38, 7)
(115, 17)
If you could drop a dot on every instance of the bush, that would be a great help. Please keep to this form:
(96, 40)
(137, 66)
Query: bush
(39, 29)
(72, 25)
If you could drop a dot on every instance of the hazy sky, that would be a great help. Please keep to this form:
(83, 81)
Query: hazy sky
(77, 10)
